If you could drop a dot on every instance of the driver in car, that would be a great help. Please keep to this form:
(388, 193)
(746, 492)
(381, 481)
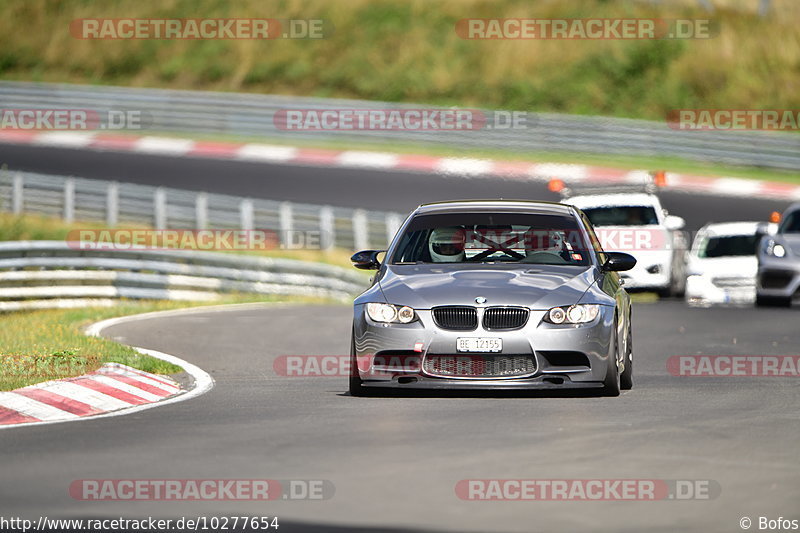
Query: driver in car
(446, 245)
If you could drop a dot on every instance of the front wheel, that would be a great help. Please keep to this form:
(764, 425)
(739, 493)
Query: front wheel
(611, 385)
(356, 383)
(676, 287)
(626, 378)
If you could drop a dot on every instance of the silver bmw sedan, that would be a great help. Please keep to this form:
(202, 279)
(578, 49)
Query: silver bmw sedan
(493, 294)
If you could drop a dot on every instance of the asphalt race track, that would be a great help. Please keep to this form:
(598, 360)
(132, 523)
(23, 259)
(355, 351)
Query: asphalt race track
(365, 188)
(395, 461)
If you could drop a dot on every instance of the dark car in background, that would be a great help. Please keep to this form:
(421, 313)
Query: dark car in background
(778, 279)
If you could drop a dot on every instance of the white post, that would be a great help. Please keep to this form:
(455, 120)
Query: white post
(69, 200)
(201, 210)
(112, 204)
(360, 230)
(327, 228)
(246, 214)
(285, 223)
(17, 185)
(160, 209)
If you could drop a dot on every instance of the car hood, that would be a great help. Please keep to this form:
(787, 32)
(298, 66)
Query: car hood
(535, 286)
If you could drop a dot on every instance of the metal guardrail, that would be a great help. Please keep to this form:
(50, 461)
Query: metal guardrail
(254, 115)
(119, 204)
(47, 274)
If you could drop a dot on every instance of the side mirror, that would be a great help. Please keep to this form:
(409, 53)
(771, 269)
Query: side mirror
(367, 259)
(674, 223)
(618, 262)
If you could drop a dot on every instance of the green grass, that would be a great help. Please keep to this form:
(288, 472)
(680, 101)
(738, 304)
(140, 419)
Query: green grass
(39, 346)
(644, 297)
(408, 50)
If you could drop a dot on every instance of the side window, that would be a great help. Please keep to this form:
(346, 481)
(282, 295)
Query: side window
(598, 248)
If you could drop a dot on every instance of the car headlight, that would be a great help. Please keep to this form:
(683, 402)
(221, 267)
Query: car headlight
(775, 250)
(387, 313)
(572, 314)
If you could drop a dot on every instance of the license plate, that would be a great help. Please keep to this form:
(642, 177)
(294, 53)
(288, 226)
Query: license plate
(479, 344)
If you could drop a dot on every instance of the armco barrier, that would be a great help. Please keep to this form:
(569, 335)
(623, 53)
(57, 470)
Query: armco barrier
(44, 274)
(252, 115)
(126, 204)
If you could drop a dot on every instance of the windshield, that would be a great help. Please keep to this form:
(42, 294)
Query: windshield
(493, 237)
(791, 224)
(637, 215)
(732, 245)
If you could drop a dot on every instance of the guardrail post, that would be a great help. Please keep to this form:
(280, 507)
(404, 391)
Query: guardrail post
(393, 223)
(112, 204)
(17, 185)
(69, 200)
(160, 209)
(246, 214)
(327, 228)
(286, 223)
(201, 210)
(360, 230)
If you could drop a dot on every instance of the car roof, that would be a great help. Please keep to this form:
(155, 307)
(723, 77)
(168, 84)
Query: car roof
(614, 199)
(500, 205)
(720, 229)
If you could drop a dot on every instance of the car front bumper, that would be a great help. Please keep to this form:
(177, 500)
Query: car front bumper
(566, 356)
(778, 277)
(704, 291)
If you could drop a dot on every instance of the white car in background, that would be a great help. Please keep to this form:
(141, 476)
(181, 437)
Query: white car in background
(637, 224)
(722, 264)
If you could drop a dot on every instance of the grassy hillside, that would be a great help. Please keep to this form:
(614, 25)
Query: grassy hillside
(408, 50)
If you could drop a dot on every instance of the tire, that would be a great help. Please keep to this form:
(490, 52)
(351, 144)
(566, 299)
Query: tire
(611, 385)
(773, 301)
(676, 287)
(356, 383)
(626, 378)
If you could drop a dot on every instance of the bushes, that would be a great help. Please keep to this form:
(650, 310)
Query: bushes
(402, 50)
